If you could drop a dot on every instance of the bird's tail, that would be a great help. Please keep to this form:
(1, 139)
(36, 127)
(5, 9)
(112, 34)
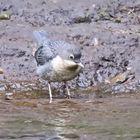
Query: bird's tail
(40, 37)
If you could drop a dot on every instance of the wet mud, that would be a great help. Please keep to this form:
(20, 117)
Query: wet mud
(107, 31)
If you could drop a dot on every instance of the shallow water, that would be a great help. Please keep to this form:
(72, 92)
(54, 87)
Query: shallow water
(107, 118)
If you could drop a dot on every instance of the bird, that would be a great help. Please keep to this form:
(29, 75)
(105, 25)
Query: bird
(57, 60)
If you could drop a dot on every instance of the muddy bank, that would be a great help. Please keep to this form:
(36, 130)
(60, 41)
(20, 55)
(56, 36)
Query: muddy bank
(108, 32)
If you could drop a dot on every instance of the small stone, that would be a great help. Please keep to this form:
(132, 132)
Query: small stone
(9, 96)
(33, 51)
(1, 71)
(99, 76)
(2, 87)
(95, 42)
(93, 5)
(18, 86)
(4, 16)
(120, 78)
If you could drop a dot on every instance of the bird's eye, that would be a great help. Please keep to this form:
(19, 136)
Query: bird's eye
(71, 57)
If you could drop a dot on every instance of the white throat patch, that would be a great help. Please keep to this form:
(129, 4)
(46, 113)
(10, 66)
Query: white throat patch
(59, 64)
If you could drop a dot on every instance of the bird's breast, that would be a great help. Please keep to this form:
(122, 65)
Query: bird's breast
(64, 70)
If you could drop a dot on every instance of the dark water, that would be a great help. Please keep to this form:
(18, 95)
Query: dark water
(110, 118)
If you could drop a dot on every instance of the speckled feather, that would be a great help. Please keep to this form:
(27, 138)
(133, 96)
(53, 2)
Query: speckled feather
(50, 49)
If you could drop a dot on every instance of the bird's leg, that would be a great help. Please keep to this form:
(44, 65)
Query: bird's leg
(68, 90)
(50, 92)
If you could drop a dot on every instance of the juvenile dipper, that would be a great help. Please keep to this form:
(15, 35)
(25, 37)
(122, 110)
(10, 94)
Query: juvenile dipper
(57, 61)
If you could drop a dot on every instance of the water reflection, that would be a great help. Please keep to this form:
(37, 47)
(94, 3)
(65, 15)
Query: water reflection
(70, 119)
(64, 112)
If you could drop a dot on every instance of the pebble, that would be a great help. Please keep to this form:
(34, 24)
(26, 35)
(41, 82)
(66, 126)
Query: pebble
(1, 71)
(9, 96)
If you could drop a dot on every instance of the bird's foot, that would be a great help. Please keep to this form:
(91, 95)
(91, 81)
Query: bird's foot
(50, 100)
(67, 96)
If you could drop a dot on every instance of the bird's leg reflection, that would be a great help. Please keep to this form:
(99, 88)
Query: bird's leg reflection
(50, 92)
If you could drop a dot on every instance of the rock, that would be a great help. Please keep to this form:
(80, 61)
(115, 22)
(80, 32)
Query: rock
(120, 78)
(9, 96)
(21, 53)
(94, 42)
(2, 87)
(81, 19)
(1, 71)
(33, 51)
(4, 16)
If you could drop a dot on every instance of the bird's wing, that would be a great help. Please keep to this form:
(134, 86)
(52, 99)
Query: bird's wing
(44, 54)
(40, 37)
(48, 51)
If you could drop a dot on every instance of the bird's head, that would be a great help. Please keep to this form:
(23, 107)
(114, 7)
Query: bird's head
(71, 54)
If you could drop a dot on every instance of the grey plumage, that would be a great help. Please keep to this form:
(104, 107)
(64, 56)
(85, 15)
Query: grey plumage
(40, 37)
(56, 60)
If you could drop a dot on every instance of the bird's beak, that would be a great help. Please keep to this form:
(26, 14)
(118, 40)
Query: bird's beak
(81, 65)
